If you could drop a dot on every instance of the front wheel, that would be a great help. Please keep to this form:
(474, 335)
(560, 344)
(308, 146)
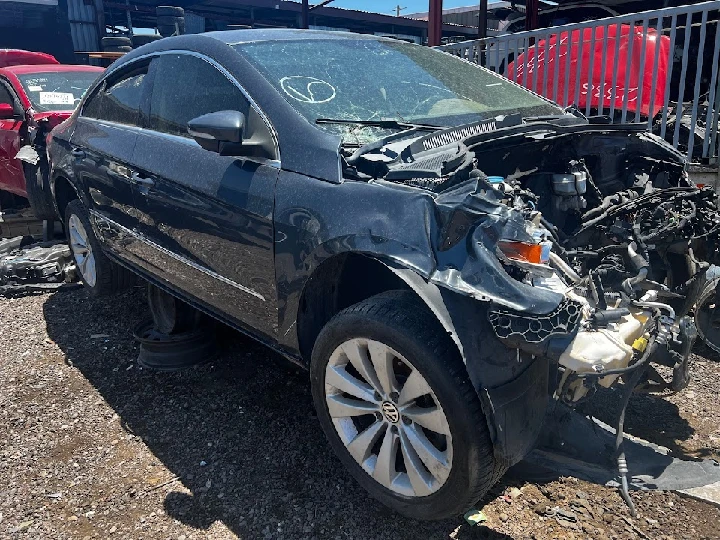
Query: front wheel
(395, 402)
(100, 275)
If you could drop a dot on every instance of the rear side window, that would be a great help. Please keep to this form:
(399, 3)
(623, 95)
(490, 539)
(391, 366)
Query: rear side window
(185, 87)
(118, 101)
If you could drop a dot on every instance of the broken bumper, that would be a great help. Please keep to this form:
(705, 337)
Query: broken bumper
(515, 412)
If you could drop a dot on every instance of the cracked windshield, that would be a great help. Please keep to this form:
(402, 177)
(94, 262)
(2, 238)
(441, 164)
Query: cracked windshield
(369, 80)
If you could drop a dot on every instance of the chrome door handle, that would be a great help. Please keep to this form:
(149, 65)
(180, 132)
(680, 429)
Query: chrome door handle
(142, 181)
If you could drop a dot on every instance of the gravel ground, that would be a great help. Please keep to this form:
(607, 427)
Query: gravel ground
(94, 446)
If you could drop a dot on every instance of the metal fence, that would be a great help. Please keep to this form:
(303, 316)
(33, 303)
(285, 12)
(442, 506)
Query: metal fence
(657, 67)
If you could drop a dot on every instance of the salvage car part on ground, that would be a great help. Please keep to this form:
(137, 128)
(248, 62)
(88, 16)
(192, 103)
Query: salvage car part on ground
(27, 266)
(439, 252)
(173, 352)
(178, 337)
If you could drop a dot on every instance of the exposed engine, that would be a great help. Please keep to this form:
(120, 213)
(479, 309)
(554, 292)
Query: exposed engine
(612, 223)
(627, 267)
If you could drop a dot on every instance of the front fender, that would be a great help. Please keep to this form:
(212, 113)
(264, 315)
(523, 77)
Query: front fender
(512, 387)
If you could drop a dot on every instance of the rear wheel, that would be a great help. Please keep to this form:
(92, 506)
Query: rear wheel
(100, 275)
(393, 398)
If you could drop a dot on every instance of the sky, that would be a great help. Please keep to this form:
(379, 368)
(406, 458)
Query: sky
(388, 6)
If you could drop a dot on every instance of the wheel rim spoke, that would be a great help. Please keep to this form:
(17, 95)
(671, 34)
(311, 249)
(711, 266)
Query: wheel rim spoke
(431, 418)
(362, 444)
(420, 480)
(432, 458)
(382, 361)
(385, 466)
(89, 271)
(359, 360)
(414, 387)
(342, 406)
(76, 239)
(338, 378)
(81, 249)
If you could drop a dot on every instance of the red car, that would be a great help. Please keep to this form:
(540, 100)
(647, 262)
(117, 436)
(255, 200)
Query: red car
(36, 94)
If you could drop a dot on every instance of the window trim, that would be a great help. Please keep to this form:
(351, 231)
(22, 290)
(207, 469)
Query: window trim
(222, 70)
(102, 85)
(10, 89)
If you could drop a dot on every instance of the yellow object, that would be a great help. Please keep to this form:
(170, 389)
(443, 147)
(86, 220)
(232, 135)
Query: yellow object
(640, 344)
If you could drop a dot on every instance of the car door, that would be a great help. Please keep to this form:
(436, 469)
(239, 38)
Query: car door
(102, 147)
(12, 178)
(208, 217)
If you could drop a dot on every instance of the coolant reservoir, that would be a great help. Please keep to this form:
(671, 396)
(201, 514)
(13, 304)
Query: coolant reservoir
(598, 350)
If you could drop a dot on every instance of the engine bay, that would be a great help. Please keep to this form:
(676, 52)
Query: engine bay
(603, 216)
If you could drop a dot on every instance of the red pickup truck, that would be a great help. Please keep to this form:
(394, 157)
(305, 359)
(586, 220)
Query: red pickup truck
(36, 94)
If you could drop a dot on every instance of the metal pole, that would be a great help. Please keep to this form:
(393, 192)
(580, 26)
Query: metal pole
(482, 19)
(304, 14)
(531, 14)
(435, 23)
(482, 30)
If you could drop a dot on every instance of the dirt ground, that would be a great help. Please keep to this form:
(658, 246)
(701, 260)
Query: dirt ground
(94, 446)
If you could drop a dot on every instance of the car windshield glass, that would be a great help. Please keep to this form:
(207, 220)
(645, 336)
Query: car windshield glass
(56, 91)
(363, 79)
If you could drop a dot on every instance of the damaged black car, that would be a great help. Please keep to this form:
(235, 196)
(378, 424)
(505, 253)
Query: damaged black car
(445, 251)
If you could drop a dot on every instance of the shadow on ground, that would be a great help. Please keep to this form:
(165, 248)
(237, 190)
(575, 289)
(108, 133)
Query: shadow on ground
(248, 416)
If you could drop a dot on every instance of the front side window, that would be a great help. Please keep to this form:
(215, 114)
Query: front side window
(186, 87)
(56, 91)
(119, 100)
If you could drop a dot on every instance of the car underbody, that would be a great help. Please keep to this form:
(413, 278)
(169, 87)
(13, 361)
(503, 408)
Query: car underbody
(585, 243)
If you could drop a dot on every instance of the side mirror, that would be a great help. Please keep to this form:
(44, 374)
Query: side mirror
(7, 111)
(220, 132)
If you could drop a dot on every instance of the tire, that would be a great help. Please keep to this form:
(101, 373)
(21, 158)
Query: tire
(403, 325)
(167, 31)
(109, 277)
(169, 11)
(120, 49)
(115, 42)
(144, 39)
(171, 21)
(38, 190)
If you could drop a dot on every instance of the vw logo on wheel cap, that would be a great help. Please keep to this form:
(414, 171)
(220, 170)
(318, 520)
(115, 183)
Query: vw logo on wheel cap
(391, 412)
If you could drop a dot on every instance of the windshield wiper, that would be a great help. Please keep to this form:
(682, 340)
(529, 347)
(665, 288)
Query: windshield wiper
(388, 124)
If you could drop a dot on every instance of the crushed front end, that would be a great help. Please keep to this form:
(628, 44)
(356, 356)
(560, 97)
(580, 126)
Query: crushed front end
(586, 245)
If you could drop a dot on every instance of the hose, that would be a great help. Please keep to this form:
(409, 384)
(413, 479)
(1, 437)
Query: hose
(619, 440)
(656, 305)
(565, 268)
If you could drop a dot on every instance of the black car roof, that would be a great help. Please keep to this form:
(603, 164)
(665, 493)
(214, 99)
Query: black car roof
(234, 37)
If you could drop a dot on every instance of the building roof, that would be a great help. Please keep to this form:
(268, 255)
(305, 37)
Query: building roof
(282, 13)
